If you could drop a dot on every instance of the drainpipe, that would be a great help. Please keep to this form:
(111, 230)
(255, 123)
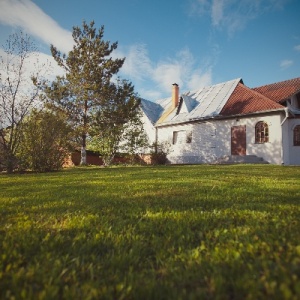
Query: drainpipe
(156, 139)
(286, 110)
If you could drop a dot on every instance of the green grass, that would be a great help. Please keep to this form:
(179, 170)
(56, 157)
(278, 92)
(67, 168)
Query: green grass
(174, 232)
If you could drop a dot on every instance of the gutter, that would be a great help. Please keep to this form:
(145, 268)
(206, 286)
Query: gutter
(216, 117)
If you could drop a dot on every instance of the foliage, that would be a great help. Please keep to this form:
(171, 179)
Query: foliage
(88, 81)
(159, 153)
(117, 126)
(18, 94)
(45, 142)
(134, 139)
(166, 232)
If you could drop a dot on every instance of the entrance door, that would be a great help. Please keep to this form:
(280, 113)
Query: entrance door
(238, 140)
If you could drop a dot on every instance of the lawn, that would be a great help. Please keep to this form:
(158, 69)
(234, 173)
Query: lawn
(168, 232)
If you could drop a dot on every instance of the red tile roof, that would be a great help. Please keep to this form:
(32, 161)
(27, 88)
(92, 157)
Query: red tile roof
(281, 90)
(244, 100)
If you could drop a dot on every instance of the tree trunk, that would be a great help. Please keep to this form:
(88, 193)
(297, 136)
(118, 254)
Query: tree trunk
(83, 156)
(83, 151)
(10, 160)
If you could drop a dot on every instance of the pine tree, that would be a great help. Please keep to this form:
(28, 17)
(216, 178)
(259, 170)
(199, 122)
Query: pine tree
(87, 82)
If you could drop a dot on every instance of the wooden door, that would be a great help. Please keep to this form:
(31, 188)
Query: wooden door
(238, 140)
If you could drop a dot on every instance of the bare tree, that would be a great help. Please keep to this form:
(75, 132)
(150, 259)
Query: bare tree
(19, 70)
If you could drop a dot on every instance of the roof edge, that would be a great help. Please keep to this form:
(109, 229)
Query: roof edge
(220, 117)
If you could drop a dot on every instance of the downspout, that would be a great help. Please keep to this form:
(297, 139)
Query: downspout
(286, 110)
(156, 139)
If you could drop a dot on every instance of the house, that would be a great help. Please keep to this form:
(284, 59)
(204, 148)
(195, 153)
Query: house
(228, 122)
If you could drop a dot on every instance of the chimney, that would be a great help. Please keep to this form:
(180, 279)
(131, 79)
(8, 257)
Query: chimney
(175, 95)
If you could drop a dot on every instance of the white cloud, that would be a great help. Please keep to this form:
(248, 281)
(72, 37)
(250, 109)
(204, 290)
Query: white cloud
(199, 7)
(199, 79)
(36, 64)
(28, 16)
(182, 69)
(286, 63)
(233, 15)
(297, 48)
(150, 94)
(217, 11)
(137, 62)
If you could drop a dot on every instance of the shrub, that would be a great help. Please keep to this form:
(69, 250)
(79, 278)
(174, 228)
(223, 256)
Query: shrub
(45, 142)
(159, 154)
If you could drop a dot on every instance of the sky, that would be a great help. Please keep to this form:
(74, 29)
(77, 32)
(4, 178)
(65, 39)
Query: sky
(193, 43)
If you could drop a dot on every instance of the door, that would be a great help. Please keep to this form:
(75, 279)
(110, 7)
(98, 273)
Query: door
(238, 140)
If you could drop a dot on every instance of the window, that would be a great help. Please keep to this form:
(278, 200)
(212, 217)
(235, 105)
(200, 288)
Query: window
(181, 137)
(298, 101)
(261, 133)
(297, 135)
(175, 137)
(189, 137)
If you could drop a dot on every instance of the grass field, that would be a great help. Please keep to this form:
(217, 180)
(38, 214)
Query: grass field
(169, 232)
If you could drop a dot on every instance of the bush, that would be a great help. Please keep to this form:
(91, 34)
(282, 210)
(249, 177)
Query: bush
(159, 154)
(45, 142)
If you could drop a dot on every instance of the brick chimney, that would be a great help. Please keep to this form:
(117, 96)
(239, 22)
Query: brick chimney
(175, 95)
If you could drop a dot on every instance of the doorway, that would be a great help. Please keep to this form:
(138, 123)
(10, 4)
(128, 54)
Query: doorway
(238, 140)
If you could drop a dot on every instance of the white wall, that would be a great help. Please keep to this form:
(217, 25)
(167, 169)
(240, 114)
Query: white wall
(271, 151)
(212, 140)
(149, 129)
(293, 152)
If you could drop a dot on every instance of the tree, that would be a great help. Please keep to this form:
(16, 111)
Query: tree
(117, 126)
(18, 95)
(89, 69)
(46, 141)
(134, 140)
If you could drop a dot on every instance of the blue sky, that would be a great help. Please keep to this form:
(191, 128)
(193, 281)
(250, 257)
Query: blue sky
(191, 42)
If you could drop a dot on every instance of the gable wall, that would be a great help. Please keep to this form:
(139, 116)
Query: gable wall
(149, 129)
(212, 140)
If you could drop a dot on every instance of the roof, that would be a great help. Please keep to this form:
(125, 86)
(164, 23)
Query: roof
(243, 100)
(151, 109)
(280, 91)
(225, 99)
(212, 99)
(203, 103)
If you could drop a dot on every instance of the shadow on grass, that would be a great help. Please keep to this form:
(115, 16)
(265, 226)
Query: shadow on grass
(164, 233)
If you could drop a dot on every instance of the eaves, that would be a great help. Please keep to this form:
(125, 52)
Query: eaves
(219, 117)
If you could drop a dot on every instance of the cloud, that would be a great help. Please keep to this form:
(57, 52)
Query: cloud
(182, 69)
(297, 48)
(36, 63)
(28, 16)
(137, 63)
(199, 7)
(217, 11)
(286, 63)
(233, 15)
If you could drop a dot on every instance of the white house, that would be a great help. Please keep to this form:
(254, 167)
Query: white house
(228, 122)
